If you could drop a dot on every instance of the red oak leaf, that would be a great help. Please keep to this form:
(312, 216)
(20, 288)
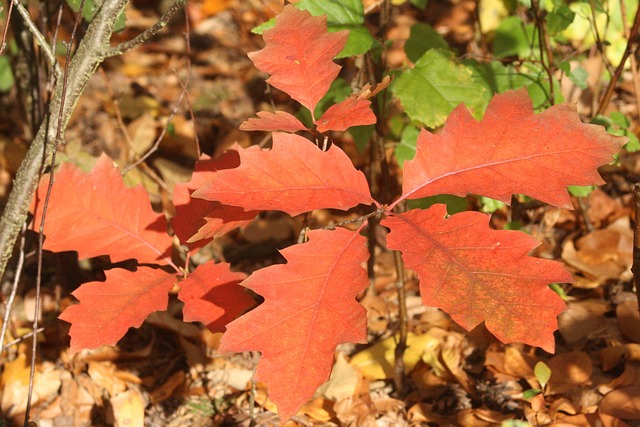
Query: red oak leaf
(293, 177)
(194, 214)
(299, 54)
(108, 309)
(478, 274)
(95, 214)
(309, 309)
(212, 295)
(273, 122)
(510, 151)
(350, 112)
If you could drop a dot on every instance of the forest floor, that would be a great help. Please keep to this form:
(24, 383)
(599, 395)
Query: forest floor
(168, 373)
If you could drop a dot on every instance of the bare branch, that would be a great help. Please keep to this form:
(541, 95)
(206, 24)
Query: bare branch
(149, 32)
(37, 35)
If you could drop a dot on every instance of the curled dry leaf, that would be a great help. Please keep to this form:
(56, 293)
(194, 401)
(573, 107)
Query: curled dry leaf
(623, 404)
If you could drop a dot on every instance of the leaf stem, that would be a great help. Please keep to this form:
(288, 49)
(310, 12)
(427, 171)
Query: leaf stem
(403, 323)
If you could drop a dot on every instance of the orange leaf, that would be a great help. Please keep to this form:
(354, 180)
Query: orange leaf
(273, 122)
(350, 112)
(294, 176)
(95, 214)
(108, 309)
(212, 296)
(309, 309)
(478, 274)
(299, 54)
(510, 151)
(194, 214)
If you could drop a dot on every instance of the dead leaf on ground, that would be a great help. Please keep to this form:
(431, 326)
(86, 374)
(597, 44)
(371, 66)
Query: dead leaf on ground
(602, 254)
(128, 409)
(623, 404)
(581, 320)
(569, 370)
(629, 319)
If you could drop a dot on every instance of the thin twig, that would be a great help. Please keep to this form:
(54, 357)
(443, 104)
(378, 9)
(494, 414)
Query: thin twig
(22, 338)
(14, 289)
(187, 37)
(632, 58)
(3, 45)
(635, 268)
(545, 48)
(37, 35)
(155, 146)
(353, 220)
(403, 320)
(58, 137)
(632, 47)
(149, 32)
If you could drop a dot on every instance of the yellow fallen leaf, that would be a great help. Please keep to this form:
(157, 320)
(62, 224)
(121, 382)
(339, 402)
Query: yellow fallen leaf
(377, 361)
(128, 409)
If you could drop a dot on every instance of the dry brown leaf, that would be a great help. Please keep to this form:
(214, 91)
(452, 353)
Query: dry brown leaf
(318, 409)
(106, 376)
(344, 380)
(168, 388)
(142, 133)
(630, 377)
(481, 417)
(579, 322)
(516, 365)
(562, 406)
(611, 421)
(602, 254)
(629, 319)
(569, 370)
(579, 420)
(623, 403)
(14, 383)
(451, 355)
(602, 208)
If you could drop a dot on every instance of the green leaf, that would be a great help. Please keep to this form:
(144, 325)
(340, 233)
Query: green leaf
(338, 91)
(579, 77)
(513, 38)
(489, 205)
(455, 204)
(620, 119)
(361, 136)
(435, 86)
(515, 423)
(264, 26)
(495, 77)
(343, 15)
(559, 290)
(423, 38)
(633, 144)
(542, 373)
(89, 11)
(580, 190)
(406, 150)
(6, 75)
(531, 393)
(560, 19)
(421, 4)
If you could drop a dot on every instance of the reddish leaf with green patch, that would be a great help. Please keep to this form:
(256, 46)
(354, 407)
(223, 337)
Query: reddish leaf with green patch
(476, 274)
